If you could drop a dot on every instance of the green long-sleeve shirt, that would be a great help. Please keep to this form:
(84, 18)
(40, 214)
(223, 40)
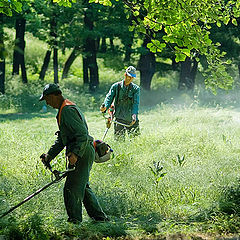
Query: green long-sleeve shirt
(126, 100)
(73, 132)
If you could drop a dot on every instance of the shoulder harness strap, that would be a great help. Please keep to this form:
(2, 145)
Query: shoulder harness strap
(118, 90)
(66, 102)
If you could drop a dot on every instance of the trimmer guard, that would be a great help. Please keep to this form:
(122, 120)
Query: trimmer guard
(104, 158)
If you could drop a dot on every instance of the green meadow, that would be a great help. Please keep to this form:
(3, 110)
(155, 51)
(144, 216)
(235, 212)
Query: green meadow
(178, 179)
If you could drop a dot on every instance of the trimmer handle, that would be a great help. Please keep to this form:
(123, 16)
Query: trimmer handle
(111, 110)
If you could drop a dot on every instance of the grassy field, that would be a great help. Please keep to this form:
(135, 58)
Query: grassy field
(180, 176)
(178, 180)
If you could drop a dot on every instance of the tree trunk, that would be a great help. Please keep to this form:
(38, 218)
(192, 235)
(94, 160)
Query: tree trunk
(188, 74)
(90, 52)
(111, 44)
(18, 55)
(53, 34)
(147, 70)
(174, 64)
(45, 65)
(93, 67)
(23, 70)
(128, 53)
(55, 64)
(85, 70)
(69, 62)
(2, 57)
(128, 48)
(103, 48)
(239, 72)
(146, 65)
(2, 76)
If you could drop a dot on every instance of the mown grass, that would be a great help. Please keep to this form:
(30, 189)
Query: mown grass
(180, 175)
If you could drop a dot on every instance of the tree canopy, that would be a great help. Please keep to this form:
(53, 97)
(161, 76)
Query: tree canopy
(181, 27)
(8, 6)
(186, 25)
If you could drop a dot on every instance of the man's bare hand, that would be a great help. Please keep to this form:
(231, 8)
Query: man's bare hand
(72, 158)
(134, 119)
(103, 108)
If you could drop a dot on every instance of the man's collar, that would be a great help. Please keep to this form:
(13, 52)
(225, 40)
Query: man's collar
(123, 85)
(61, 104)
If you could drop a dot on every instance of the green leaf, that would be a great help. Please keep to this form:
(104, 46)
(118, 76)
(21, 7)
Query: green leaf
(103, 2)
(180, 57)
(136, 13)
(17, 6)
(208, 41)
(226, 20)
(7, 11)
(131, 28)
(151, 47)
(186, 51)
(234, 21)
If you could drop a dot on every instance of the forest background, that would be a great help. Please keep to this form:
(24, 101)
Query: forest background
(181, 176)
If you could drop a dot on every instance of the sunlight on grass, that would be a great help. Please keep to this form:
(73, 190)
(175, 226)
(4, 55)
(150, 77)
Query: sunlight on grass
(196, 149)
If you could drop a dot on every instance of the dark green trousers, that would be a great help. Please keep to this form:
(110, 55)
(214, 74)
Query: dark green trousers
(78, 192)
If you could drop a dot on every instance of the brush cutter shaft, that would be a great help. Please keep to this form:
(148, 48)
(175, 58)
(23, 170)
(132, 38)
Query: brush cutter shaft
(122, 124)
(119, 123)
(108, 123)
(105, 133)
(58, 177)
(28, 198)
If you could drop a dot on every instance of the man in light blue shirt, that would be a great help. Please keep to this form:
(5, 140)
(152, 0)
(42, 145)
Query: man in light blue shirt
(125, 95)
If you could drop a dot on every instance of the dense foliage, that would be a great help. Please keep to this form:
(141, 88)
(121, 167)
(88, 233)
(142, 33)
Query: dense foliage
(186, 28)
(7, 6)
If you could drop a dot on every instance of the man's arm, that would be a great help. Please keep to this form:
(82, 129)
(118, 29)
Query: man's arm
(56, 148)
(109, 98)
(136, 100)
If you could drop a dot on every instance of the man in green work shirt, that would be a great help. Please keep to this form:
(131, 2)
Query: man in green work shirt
(73, 134)
(125, 95)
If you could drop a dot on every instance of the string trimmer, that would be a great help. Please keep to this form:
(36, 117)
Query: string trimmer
(110, 120)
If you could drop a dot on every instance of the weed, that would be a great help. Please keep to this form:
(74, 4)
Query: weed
(156, 170)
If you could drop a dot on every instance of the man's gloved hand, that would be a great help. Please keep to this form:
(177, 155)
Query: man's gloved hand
(46, 158)
(103, 108)
(134, 119)
(72, 158)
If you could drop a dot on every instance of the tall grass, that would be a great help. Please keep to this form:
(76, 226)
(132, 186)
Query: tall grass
(178, 175)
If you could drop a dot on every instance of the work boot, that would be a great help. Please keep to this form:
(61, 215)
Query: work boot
(73, 221)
